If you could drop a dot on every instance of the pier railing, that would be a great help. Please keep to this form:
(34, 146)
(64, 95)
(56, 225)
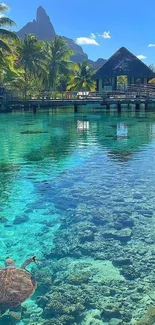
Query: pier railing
(132, 92)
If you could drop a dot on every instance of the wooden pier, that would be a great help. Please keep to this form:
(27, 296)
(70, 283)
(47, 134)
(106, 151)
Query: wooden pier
(135, 95)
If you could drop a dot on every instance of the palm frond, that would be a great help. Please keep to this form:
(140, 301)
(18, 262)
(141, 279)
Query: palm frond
(3, 7)
(9, 35)
(5, 21)
(4, 46)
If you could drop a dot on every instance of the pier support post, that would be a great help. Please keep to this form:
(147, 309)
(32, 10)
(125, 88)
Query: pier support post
(146, 106)
(108, 107)
(137, 106)
(119, 107)
(34, 108)
(75, 108)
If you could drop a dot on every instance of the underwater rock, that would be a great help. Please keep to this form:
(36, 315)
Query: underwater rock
(115, 321)
(3, 219)
(64, 303)
(141, 288)
(121, 261)
(111, 311)
(100, 220)
(42, 301)
(16, 315)
(79, 277)
(135, 297)
(149, 240)
(63, 320)
(44, 280)
(10, 319)
(152, 295)
(92, 316)
(123, 235)
(149, 318)
(130, 273)
(31, 313)
(36, 155)
(5, 168)
(50, 223)
(99, 255)
(123, 222)
(144, 212)
(20, 219)
(68, 241)
(126, 317)
(137, 196)
(87, 235)
(33, 132)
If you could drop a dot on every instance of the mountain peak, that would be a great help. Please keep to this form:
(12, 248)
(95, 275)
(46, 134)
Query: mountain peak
(40, 8)
(42, 15)
(41, 26)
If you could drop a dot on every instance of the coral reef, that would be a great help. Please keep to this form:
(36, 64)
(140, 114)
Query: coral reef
(149, 318)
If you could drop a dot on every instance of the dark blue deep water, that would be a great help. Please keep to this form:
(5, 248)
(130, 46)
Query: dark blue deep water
(78, 191)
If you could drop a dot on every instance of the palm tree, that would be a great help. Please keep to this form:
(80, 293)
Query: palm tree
(8, 41)
(31, 55)
(31, 59)
(58, 63)
(6, 36)
(83, 79)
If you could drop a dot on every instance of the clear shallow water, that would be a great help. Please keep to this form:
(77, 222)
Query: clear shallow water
(76, 190)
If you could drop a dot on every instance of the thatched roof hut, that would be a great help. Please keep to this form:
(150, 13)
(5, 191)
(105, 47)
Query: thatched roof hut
(123, 62)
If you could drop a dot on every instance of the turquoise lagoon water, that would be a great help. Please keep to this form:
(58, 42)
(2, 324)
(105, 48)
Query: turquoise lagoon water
(78, 191)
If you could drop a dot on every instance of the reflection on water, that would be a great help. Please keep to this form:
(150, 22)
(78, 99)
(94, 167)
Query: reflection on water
(82, 125)
(122, 130)
(77, 191)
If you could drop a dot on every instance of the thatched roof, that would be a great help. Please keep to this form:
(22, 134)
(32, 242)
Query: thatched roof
(125, 63)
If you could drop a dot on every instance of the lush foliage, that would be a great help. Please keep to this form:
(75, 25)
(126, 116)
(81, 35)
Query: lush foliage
(6, 36)
(82, 80)
(34, 68)
(8, 42)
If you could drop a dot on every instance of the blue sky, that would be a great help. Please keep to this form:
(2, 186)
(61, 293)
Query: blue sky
(110, 24)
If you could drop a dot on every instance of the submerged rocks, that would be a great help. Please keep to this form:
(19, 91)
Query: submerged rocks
(121, 261)
(20, 219)
(33, 132)
(111, 311)
(149, 318)
(3, 219)
(66, 301)
(123, 221)
(87, 235)
(130, 272)
(79, 277)
(44, 280)
(123, 235)
(10, 319)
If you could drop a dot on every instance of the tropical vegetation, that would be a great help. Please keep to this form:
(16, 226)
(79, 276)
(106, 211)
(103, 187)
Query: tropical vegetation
(32, 68)
(82, 79)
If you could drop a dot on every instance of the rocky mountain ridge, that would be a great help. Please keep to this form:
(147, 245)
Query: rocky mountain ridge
(43, 28)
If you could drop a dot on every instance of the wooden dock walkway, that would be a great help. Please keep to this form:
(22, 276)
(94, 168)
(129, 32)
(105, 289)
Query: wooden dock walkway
(135, 95)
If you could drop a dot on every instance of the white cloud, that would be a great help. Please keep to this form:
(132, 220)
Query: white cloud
(105, 35)
(151, 45)
(141, 57)
(86, 41)
(92, 35)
